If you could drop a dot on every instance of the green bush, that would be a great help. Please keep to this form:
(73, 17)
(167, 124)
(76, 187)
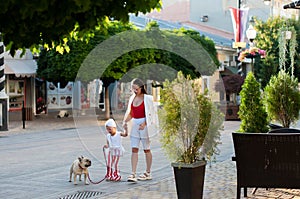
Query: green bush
(190, 123)
(252, 112)
(282, 99)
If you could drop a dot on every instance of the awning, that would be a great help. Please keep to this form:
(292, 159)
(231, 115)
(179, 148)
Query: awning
(293, 5)
(20, 68)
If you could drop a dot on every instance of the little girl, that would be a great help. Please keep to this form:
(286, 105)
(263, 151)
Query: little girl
(116, 150)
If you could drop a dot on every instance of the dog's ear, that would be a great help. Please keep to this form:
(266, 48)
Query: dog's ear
(80, 159)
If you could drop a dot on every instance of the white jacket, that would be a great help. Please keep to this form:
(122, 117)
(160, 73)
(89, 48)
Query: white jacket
(151, 114)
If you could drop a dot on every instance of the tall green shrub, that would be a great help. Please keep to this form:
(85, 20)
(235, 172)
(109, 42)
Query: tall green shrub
(282, 99)
(252, 112)
(190, 123)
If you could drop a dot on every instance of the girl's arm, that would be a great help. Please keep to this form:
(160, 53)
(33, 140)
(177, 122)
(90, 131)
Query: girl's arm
(106, 145)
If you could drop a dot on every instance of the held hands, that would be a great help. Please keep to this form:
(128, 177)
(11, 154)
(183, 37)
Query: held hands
(125, 134)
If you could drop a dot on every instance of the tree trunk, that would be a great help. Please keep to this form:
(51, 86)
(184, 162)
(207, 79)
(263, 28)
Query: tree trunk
(107, 104)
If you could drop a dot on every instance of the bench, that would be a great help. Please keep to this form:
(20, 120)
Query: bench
(267, 160)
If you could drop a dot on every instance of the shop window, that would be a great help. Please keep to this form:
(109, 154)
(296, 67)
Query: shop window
(16, 94)
(16, 87)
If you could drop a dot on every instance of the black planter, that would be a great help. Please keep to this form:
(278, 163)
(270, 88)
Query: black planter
(189, 179)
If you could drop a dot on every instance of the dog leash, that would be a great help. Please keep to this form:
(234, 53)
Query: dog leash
(98, 182)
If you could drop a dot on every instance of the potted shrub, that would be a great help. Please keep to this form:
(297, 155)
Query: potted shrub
(282, 99)
(252, 111)
(190, 131)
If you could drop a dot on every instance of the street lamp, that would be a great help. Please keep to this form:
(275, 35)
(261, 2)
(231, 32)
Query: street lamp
(267, 2)
(251, 34)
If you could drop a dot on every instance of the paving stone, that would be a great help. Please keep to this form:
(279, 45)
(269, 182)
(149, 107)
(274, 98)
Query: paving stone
(54, 142)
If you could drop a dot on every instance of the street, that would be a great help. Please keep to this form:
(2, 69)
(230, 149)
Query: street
(36, 165)
(37, 160)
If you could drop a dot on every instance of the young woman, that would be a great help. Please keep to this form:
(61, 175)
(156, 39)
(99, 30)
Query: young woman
(142, 120)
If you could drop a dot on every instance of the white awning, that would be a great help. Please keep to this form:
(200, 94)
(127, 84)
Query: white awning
(21, 66)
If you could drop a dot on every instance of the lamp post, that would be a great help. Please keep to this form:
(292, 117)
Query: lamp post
(251, 35)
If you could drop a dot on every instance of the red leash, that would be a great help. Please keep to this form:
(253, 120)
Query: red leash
(97, 181)
(104, 176)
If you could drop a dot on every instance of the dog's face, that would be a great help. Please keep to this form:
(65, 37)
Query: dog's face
(84, 162)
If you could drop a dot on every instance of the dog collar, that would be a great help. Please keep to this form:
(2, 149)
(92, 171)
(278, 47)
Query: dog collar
(80, 166)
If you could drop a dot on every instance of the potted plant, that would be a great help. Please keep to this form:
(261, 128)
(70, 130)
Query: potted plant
(252, 111)
(252, 52)
(282, 99)
(282, 96)
(190, 131)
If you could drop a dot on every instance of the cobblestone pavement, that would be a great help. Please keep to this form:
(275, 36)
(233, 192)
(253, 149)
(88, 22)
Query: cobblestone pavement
(220, 177)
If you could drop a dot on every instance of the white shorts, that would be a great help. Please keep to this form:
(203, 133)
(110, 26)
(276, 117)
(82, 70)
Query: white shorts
(137, 136)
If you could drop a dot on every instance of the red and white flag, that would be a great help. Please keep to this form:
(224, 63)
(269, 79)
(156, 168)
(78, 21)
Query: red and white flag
(239, 21)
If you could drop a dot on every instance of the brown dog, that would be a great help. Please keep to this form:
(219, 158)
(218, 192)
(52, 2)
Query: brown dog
(79, 167)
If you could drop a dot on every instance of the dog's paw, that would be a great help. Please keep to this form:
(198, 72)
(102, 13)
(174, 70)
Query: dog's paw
(70, 180)
(86, 183)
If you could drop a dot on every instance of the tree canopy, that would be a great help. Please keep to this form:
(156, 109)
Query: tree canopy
(57, 67)
(25, 24)
(268, 39)
(147, 52)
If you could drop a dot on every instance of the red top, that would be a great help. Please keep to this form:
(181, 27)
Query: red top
(138, 111)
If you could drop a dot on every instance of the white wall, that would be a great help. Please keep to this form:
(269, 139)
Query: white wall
(219, 15)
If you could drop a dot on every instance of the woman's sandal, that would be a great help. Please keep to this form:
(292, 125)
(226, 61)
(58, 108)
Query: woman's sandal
(131, 178)
(145, 176)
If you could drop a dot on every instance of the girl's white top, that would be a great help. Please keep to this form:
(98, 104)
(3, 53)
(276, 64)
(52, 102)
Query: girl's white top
(115, 144)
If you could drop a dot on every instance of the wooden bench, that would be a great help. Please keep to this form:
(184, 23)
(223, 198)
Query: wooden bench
(267, 160)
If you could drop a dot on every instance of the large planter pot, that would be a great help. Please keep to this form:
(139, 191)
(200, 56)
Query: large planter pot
(189, 179)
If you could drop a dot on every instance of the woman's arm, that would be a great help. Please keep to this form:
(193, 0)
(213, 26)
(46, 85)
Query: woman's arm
(128, 116)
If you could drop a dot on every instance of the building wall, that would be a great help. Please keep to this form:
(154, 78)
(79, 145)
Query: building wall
(219, 15)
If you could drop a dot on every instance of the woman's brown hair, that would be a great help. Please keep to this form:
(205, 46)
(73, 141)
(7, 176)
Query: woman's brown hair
(140, 84)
